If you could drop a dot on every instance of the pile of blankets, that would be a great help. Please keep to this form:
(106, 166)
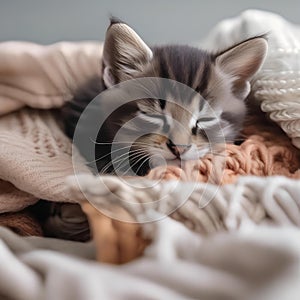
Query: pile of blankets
(230, 237)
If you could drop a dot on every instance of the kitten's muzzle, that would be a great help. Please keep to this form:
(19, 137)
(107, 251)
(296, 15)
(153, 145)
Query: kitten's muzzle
(177, 149)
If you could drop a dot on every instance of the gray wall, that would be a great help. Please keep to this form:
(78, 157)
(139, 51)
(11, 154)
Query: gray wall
(157, 21)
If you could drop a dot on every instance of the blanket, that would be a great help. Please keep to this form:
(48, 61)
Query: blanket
(258, 263)
(220, 232)
(276, 86)
(35, 154)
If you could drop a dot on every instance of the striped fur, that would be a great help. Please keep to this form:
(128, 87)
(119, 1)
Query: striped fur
(186, 127)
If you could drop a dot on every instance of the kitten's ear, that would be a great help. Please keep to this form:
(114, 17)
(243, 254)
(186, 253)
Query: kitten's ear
(242, 61)
(124, 54)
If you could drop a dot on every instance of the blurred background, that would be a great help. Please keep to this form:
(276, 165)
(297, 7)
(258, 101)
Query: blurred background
(157, 21)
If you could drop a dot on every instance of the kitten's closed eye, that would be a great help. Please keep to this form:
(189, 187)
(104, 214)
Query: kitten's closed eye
(152, 118)
(203, 124)
(205, 120)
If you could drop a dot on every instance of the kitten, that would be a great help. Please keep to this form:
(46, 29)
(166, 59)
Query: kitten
(222, 80)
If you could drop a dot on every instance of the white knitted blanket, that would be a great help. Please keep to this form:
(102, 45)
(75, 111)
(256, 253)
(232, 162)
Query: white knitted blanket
(277, 86)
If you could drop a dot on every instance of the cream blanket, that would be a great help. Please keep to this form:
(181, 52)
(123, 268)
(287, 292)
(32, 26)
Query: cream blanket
(35, 155)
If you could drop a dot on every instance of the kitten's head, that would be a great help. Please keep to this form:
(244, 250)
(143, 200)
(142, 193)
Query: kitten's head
(184, 125)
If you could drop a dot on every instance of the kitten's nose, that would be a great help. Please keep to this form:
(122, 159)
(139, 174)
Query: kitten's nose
(177, 149)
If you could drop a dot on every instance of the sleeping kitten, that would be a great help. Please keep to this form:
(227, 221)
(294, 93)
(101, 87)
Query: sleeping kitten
(222, 80)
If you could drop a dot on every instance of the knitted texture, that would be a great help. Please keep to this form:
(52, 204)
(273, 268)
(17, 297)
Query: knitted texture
(266, 151)
(277, 85)
(208, 209)
(35, 155)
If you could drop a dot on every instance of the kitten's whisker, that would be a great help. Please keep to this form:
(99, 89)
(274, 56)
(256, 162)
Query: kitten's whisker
(99, 158)
(122, 160)
(121, 157)
(144, 161)
(116, 150)
(144, 158)
(131, 143)
(132, 156)
(105, 167)
(140, 156)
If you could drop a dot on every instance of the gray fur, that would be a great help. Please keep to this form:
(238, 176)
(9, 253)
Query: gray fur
(217, 110)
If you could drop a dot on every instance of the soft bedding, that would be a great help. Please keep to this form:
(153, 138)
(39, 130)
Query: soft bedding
(242, 244)
(255, 263)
